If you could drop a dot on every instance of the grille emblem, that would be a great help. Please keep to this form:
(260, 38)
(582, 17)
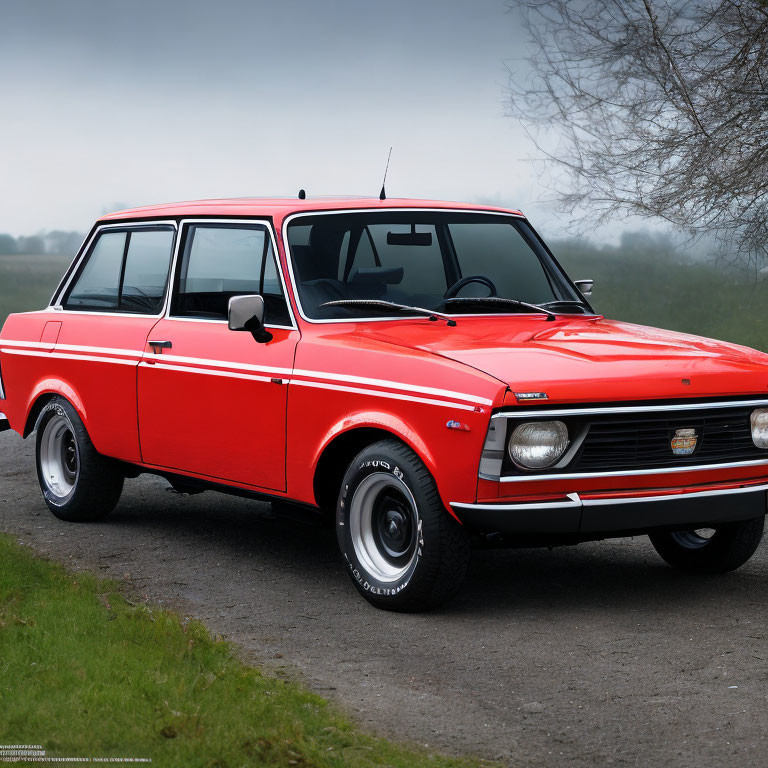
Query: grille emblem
(684, 442)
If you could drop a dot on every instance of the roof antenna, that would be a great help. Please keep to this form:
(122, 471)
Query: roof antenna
(302, 195)
(383, 193)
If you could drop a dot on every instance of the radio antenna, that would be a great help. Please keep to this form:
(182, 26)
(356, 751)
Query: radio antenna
(383, 193)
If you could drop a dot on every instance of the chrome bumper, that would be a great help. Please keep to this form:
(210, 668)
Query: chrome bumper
(575, 515)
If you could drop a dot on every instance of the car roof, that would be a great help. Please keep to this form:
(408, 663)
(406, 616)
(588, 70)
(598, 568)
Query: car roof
(279, 208)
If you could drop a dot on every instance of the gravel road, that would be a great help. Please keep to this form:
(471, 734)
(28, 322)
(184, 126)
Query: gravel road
(592, 655)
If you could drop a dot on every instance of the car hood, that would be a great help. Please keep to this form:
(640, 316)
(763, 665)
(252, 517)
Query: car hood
(592, 359)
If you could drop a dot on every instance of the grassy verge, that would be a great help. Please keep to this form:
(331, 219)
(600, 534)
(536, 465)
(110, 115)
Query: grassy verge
(85, 672)
(27, 282)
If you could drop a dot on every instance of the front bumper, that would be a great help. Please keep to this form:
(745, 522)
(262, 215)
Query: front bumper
(617, 514)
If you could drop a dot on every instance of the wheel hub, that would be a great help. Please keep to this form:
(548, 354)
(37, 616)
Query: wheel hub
(383, 525)
(58, 457)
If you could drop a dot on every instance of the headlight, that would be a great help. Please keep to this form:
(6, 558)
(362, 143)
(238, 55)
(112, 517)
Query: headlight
(539, 444)
(759, 423)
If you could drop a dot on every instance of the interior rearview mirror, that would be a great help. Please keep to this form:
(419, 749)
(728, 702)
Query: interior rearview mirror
(246, 313)
(409, 238)
(585, 287)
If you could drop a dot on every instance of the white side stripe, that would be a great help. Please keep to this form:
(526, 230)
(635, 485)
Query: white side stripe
(376, 393)
(236, 370)
(188, 369)
(393, 385)
(223, 364)
(87, 358)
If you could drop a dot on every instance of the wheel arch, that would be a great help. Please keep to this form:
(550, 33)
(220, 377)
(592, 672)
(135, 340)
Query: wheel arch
(346, 440)
(42, 394)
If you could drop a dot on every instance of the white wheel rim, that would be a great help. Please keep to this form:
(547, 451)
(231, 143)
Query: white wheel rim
(59, 457)
(384, 526)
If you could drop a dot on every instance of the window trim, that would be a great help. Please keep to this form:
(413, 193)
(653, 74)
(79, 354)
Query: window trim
(184, 225)
(85, 251)
(347, 211)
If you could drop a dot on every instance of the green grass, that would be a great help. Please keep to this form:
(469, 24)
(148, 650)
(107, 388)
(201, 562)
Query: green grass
(27, 282)
(85, 672)
(658, 290)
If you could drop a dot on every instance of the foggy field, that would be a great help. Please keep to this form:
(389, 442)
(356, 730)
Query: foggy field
(652, 289)
(27, 282)
(633, 283)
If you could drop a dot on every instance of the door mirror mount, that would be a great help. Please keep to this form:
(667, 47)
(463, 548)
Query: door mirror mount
(585, 287)
(246, 313)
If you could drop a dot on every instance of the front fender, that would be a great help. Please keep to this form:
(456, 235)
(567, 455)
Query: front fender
(378, 420)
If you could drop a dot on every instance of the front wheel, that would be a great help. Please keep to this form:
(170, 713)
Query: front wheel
(403, 550)
(710, 550)
(78, 483)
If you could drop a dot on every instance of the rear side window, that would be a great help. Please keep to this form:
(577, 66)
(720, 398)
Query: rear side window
(125, 271)
(98, 284)
(221, 261)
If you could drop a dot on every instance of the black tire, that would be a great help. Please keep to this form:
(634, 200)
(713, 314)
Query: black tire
(728, 548)
(78, 483)
(410, 555)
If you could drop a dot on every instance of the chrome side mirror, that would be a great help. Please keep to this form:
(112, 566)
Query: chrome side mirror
(585, 287)
(246, 313)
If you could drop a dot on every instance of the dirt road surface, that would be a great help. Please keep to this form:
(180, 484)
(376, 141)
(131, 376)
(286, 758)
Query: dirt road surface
(592, 655)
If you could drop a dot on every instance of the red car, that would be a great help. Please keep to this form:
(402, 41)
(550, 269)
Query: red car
(425, 371)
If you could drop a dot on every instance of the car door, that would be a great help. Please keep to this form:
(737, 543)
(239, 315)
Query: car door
(212, 402)
(98, 331)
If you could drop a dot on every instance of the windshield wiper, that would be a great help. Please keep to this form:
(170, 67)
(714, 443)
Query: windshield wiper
(390, 306)
(566, 303)
(499, 301)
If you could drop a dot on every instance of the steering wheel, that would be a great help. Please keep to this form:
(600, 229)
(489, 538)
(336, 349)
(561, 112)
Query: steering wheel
(459, 284)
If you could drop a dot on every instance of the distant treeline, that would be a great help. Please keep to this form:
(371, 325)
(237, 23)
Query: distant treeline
(56, 242)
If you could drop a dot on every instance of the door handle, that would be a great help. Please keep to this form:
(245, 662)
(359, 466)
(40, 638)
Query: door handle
(159, 346)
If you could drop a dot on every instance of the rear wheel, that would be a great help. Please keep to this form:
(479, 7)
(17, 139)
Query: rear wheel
(403, 550)
(78, 483)
(710, 550)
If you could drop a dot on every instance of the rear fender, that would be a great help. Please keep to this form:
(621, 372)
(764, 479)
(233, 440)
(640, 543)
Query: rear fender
(42, 390)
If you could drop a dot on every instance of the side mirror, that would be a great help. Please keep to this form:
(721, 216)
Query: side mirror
(585, 287)
(246, 313)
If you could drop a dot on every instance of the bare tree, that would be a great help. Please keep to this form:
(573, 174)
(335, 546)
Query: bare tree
(660, 108)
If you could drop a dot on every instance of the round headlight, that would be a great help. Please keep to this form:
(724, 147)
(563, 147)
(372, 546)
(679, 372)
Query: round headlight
(759, 423)
(538, 444)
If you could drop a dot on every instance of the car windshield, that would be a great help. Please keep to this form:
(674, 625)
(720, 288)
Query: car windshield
(425, 259)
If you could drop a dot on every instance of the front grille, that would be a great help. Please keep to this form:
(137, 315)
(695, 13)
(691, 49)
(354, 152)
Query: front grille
(616, 442)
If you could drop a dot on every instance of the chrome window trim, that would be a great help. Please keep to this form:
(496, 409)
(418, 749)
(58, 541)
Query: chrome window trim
(74, 268)
(384, 208)
(267, 223)
(574, 500)
(627, 409)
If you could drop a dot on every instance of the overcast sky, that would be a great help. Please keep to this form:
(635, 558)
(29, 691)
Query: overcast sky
(108, 104)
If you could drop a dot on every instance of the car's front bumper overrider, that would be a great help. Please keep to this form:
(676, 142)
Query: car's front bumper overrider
(618, 514)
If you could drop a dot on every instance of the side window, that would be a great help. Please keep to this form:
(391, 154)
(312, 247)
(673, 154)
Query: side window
(126, 271)
(221, 261)
(97, 287)
(146, 271)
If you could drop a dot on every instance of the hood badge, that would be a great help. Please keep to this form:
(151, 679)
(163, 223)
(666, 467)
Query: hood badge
(531, 396)
(684, 442)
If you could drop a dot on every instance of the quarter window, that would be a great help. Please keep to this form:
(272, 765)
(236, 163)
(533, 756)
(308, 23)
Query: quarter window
(126, 271)
(221, 261)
